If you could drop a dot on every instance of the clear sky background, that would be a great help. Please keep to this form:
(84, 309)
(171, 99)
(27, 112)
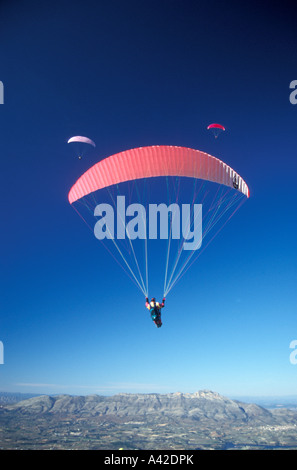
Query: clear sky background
(131, 74)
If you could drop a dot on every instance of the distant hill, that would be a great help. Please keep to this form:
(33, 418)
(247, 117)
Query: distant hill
(200, 406)
(201, 420)
(14, 397)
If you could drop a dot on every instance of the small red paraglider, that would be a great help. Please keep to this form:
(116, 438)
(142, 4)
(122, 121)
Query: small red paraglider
(216, 129)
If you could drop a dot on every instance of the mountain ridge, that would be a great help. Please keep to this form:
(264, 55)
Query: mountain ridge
(179, 421)
(204, 405)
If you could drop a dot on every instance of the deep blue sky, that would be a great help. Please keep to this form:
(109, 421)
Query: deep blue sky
(131, 74)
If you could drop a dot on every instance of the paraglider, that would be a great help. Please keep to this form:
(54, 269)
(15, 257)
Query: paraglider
(149, 162)
(81, 145)
(145, 177)
(216, 129)
(155, 310)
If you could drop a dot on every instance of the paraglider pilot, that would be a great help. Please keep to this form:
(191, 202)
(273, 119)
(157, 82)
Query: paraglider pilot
(155, 310)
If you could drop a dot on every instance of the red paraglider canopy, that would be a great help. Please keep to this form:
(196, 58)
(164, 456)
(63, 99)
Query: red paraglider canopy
(147, 162)
(216, 126)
